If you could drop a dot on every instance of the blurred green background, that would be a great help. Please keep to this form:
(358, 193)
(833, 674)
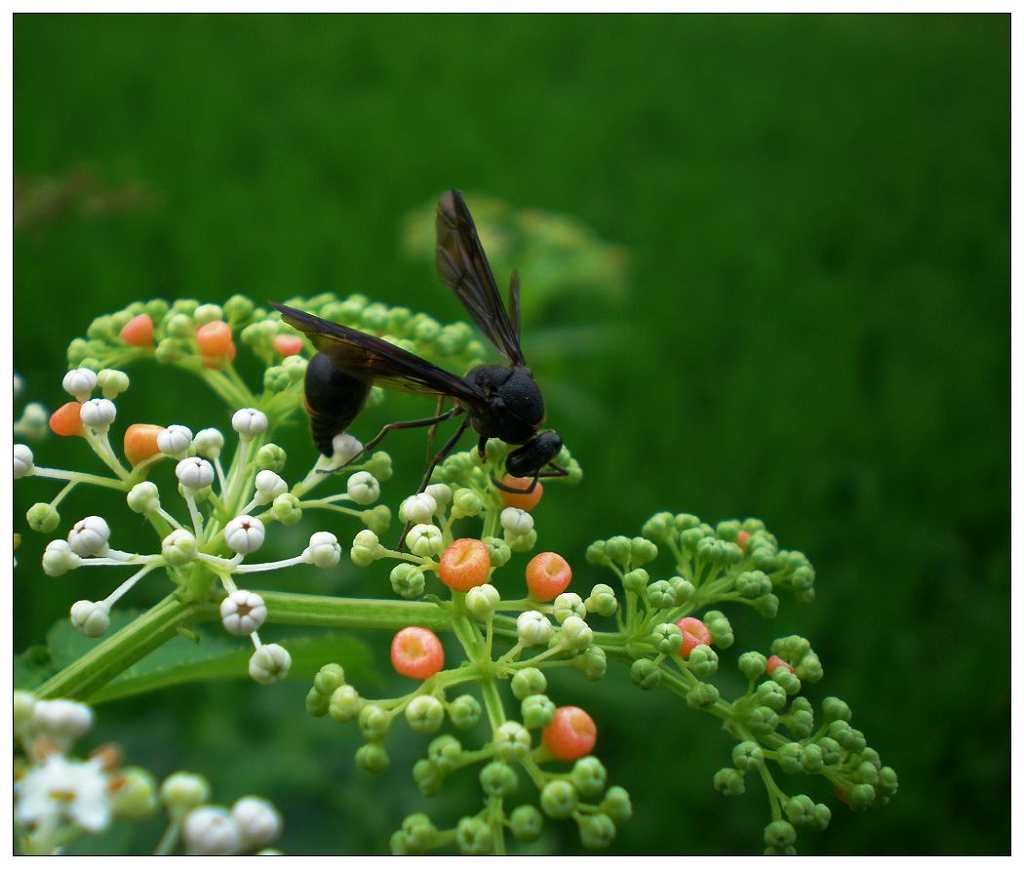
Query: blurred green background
(813, 329)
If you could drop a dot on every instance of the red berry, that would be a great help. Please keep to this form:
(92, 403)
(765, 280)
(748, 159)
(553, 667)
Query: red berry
(66, 420)
(520, 499)
(774, 662)
(547, 576)
(287, 345)
(138, 331)
(695, 633)
(465, 564)
(216, 346)
(571, 733)
(140, 441)
(417, 653)
(742, 539)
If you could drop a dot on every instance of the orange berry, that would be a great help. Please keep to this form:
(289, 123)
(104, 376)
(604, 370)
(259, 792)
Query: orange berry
(547, 576)
(66, 420)
(742, 539)
(695, 633)
(465, 564)
(417, 653)
(571, 733)
(287, 345)
(215, 342)
(140, 441)
(774, 662)
(520, 499)
(138, 331)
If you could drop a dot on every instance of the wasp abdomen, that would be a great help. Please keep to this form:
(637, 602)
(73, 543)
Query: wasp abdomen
(333, 400)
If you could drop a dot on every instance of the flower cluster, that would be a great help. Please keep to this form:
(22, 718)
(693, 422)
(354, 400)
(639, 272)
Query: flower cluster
(59, 798)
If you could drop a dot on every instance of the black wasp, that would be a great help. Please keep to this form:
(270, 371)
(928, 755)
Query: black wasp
(498, 401)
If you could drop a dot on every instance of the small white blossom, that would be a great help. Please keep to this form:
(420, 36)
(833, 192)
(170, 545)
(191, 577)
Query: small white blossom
(516, 521)
(194, 473)
(418, 509)
(258, 821)
(178, 547)
(482, 601)
(568, 603)
(208, 443)
(80, 382)
(61, 789)
(89, 536)
(249, 422)
(363, 488)
(533, 628)
(269, 663)
(242, 612)
(58, 558)
(268, 486)
(184, 790)
(174, 440)
(244, 534)
(441, 493)
(211, 831)
(89, 617)
(345, 448)
(144, 497)
(324, 549)
(24, 461)
(61, 720)
(577, 633)
(425, 540)
(98, 413)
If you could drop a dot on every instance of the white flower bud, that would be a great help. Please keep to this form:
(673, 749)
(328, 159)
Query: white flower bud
(208, 443)
(98, 413)
(244, 534)
(268, 486)
(89, 617)
(58, 558)
(249, 422)
(174, 440)
(482, 601)
(269, 663)
(62, 720)
(345, 447)
(533, 628)
(178, 547)
(425, 540)
(33, 422)
(112, 382)
(144, 497)
(441, 493)
(363, 488)
(194, 473)
(324, 549)
(89, 536)
(211, 831)
(258, 821)
(80, 382)
(516, 521)
(577, 633)
(568, 603)
(418, 509)
(24, 461)
(182, 791)
(242, 612)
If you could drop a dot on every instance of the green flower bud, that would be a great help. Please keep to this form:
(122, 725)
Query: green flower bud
(593, 663)
(345, 703)
(786, 680)
(659, 528)
(809, 668)
(721, 630)
(135, 796)
(617, 549)
(822, 817)
(870, 755)
(888, 781)
(576, 633)
(511, 741)
(800, 810)
(597, 553)
(418, 833)
(474, 836)
(526, 823)
(596, 831)
(375, 317)
(589, 777)
(466, 503)
(407, 580)
(558, 799)
(498, 779)
(861, 797)
(521, 542)
(183, 791)
(377, 519)
(767, 606)
(465, 711)
(645, 673)
(482, 601)
(747, 756)
(286, 509)
(866, 772)
(329, 678)
(366, 548)
(101, 329)
(752, 665)
(374, 722)
(683, 589)
(770, 694)
(702, 695)
(617, 805)
(497, 549)
(78, 349)
(379, 465)
(397, 318)
(779, 835)
(790, 757)
(799, 722)
(444, 752)
(642, 551)
(276, 379)
(42, 517)
(762, 720)
(831, 751)
(812, 759)
(852, 740)
(753, 584)
(317, 703)
(538, 710)
(527, 682)
(702, 662)
(568, 604)
(729, 782)
(602, 600)
(427, 776)
(372, 758)
(636, 581)
(425, 713)
(237, 308)
(112, 382)
(668, 638)
(661, 595)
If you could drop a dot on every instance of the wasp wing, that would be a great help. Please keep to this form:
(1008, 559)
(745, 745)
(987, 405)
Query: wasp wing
(375, 360)
(463, 267)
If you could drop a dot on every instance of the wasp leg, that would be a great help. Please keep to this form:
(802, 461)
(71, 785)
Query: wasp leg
(556, 471)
